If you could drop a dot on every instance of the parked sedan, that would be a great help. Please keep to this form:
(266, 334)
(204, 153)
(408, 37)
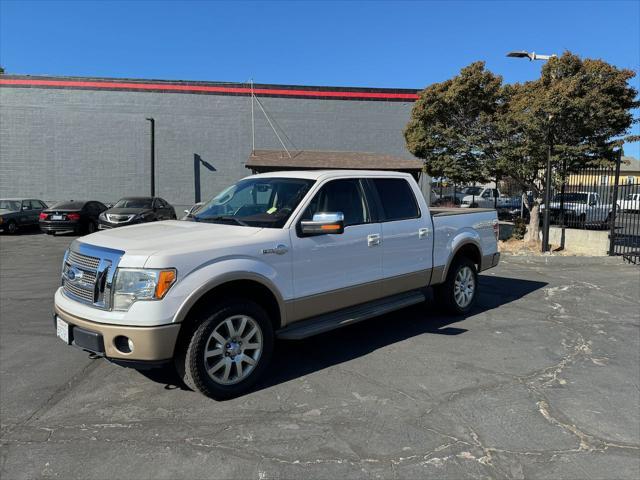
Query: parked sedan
(71, 216)
(133, 210)
(18, 213)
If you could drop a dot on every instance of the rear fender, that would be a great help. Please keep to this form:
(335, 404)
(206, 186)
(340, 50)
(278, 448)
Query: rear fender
(466, 236)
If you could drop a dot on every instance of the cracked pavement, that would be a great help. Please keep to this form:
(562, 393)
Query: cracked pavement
(540, 381)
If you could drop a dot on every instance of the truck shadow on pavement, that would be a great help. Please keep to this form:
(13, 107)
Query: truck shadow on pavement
(339, 346)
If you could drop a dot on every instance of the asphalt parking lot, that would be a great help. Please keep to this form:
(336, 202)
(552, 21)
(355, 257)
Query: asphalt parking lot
(541, 381)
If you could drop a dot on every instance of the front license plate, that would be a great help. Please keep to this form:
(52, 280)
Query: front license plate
(62, 330)
(56, 217)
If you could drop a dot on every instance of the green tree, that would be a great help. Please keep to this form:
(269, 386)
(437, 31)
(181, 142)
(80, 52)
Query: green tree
(582, 109)
(452, 125)
(474, 128)
(1, 71)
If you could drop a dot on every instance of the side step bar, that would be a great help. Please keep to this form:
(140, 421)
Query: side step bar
(349, 316)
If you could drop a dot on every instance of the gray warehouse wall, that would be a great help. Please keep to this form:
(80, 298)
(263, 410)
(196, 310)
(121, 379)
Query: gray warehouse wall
(60, 144)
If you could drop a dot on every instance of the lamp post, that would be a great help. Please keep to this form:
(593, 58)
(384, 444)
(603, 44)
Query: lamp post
(152, 157)
(530, 55)
(547, 188)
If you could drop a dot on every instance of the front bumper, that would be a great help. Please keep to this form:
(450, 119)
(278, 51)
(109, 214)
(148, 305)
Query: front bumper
(105, 225)
(150, 344)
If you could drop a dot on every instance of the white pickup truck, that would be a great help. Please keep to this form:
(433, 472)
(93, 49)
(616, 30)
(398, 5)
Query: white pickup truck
(482, 197)
(285, 254)
(580, 209)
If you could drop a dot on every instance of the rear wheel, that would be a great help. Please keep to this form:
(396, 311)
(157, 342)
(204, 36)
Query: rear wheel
(457, 294)
(228, 350)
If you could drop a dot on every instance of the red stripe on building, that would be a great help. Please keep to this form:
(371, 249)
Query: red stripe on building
(209, 89)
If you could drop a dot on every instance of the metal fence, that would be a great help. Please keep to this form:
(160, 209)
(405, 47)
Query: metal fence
(625, 228)
(597, 198)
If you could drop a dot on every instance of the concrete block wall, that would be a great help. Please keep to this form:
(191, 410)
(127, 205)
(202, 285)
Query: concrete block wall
(60, 144)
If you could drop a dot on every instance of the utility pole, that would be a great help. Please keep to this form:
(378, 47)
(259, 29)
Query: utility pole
(152, 157)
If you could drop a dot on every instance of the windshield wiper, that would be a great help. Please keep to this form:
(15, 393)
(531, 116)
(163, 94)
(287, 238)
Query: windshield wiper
(223, 218)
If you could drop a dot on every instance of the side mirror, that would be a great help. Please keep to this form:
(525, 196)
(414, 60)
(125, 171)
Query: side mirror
(323, 223)
(186, 211)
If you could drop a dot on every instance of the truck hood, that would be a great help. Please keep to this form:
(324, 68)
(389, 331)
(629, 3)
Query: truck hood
(172, 235)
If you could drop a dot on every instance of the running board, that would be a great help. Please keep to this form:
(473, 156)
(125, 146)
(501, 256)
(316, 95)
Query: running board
(349, 316)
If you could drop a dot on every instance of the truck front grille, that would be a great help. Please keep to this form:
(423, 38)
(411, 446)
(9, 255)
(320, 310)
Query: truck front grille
(83, 261)
(87, 274)
(84, 294)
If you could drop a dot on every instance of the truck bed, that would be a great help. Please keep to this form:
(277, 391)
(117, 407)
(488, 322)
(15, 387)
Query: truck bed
(444, 212)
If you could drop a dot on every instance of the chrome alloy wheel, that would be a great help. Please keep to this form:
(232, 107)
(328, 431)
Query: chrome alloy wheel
(464, 287)
(233, 349)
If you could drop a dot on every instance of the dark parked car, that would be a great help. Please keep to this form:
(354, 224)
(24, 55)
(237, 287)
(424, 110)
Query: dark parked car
(133, 210)
(71, 216)
(18, 213)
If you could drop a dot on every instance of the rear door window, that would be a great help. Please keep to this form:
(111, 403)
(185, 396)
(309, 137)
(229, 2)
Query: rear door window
(397, 199)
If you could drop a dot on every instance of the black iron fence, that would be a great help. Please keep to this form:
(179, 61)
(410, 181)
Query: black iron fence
(625, 228)
(592, 198)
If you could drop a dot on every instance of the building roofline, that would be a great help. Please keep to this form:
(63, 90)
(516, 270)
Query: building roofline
(211, 88)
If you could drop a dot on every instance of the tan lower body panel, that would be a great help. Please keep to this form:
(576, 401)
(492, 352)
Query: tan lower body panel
(489, 261)
(149, 343)
(314, 305)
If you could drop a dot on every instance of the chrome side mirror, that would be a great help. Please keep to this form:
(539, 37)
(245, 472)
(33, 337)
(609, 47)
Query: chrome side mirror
(323, 223)
(187, 212)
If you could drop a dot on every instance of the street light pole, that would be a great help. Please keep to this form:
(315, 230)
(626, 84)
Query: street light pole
(530, 55)
(152, 158)
(547, 188)
(547, 196)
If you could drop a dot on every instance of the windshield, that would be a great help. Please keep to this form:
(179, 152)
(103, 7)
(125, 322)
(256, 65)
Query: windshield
(9, 205)
(472, 190)
(572, 197)
(133, 203)
(255, 202)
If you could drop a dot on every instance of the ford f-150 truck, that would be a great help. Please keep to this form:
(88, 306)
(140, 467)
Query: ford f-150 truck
(284, 254)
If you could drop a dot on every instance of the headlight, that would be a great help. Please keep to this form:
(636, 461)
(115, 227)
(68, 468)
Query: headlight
(133, 284)
(103, 216)
(1, 219)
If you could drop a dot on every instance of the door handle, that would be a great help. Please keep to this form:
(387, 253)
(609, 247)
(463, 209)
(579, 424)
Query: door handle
(423, 232)
(373, 240)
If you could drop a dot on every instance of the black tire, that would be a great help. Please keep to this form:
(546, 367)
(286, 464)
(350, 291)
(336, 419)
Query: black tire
(190, 355)
(12, 227)
(445, 293)
(91, 227)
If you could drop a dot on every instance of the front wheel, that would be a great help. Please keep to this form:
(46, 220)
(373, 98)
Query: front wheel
(228, 350)
(458, 293)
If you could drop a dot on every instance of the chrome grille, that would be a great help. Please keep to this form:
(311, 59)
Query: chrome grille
(83, 261)
(87, 274)
(82, 293)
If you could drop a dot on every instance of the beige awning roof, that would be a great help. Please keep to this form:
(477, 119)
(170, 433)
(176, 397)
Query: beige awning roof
(269, 160)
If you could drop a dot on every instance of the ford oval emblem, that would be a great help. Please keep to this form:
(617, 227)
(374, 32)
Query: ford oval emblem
(74, 274)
